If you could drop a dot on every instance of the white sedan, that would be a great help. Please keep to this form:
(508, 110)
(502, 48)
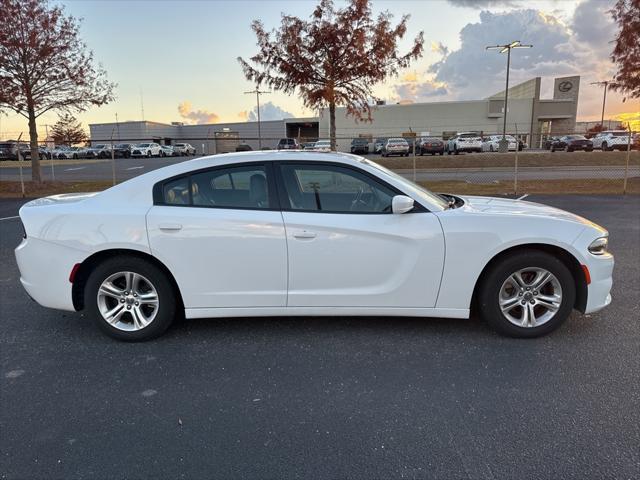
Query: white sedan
(322, 146)
(306, 233)
(492, 143)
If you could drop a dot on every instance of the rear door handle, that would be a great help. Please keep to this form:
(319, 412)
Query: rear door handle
(170, 226)
(304, 234)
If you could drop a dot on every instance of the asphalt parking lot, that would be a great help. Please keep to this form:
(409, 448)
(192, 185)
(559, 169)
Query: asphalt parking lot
(325, 397)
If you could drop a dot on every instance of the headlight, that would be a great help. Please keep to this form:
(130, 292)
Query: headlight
(599, 246)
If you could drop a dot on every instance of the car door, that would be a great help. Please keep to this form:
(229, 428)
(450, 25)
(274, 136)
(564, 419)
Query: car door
(221, 234)
(346, 248)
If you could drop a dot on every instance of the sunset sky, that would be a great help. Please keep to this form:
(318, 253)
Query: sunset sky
(181, 55)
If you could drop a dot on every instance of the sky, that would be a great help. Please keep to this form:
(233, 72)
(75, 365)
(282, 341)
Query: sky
(177, 58)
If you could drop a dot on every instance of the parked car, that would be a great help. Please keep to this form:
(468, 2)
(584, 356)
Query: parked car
(322, 146)
(569, 143)
(146, 150)
(243, 147)
(466, 142)
(546, 144)
(395, 146)
(288, 144)
(166, 151)
(492, 143)
(9, 150)
(139, 254)
(43, 152)
(123, 150)
(360, 146)
(430, 145)
(309, 146)
(101, 150)
(184, 149)
(378, 145)
(611, 140)
(635, 142)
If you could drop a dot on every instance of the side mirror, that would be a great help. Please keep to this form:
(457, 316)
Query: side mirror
(401, 204)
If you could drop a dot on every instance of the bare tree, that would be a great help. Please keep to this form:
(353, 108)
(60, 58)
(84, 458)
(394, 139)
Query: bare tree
(626, 52)
(334, 58)
(45, 66)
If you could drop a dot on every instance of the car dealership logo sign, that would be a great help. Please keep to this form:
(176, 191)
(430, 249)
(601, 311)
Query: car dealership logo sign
(565, 86)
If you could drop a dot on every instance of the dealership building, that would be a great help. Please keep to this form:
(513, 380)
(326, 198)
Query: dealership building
(529, 116)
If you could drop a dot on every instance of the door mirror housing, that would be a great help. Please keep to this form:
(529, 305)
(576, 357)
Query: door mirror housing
(401, 204)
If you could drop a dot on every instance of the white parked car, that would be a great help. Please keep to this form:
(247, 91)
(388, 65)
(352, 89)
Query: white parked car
(166, 151)
(146, 150)
(492, 143)
(184, 149)
(464, 142)
(101, 150)
(611, 140)
(395, 146)
(322, 146)
(305, 233)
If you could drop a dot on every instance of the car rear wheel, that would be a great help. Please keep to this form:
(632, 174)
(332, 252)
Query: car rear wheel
(130, 299)
(605, 147)
(527, 294)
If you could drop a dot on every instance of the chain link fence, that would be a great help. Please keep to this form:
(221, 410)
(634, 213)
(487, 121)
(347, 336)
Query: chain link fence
(467, 163)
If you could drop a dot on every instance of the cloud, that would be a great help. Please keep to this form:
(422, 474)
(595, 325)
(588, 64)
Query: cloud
(416, 88)
(592, 24)
(471, 72)
(268, 111)
(244, 115)
(185, 109)
(440, 48)
(481, 4)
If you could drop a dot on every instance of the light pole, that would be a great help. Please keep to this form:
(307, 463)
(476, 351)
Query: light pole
(258, 93)
(605, 84)
(504, 144)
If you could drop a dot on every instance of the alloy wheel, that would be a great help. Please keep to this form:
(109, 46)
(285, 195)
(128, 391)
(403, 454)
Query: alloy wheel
(128, 301)
(530, 297)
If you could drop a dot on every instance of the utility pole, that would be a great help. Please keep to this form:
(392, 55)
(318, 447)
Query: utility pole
(258, 93)
(604, 84)
(46, 141)
(118, 127)
(504, 144)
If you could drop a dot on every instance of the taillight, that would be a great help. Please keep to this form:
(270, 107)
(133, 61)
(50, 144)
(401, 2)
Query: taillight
(74, 271)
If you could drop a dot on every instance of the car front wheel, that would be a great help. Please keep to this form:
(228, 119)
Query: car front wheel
(130, 299)
(527, 294)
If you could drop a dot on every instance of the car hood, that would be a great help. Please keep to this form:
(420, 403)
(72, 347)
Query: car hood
(507, 206)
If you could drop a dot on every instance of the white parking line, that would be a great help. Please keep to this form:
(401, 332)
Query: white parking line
(9, 218)
(135, 168)
(523, 196)
(75, 168)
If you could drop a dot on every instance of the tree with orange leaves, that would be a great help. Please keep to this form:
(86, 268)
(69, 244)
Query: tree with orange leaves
(334, 58)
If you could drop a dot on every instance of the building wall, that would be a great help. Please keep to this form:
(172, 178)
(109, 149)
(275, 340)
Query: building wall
(202, 137)
(433, 118)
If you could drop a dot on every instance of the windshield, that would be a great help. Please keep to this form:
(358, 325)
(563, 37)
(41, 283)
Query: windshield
(143, 145)
(411, 188)
(619, 134)
(100, 146)
(323, 142)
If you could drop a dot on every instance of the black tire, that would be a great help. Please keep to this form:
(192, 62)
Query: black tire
(605, 147)
(455, 150)
(148, 153)
(166, 296)
(489, 290)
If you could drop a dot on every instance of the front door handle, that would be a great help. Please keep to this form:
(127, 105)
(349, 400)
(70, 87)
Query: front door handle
(170, 226)
(304, 234)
